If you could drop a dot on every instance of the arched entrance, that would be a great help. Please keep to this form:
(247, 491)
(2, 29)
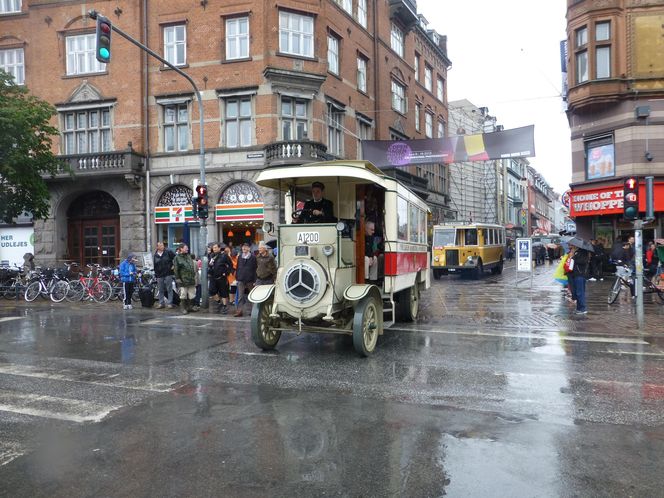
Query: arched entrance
(240, 213)
(174, 218)
(93, 229)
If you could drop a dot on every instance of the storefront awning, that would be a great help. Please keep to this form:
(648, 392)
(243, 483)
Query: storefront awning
(239, 212)
(173, 214)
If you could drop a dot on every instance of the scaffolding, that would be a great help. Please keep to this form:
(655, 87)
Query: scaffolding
(474, 190)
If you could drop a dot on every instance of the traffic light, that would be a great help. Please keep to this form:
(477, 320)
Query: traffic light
(103, 48)
(202, 201)
(631, 198)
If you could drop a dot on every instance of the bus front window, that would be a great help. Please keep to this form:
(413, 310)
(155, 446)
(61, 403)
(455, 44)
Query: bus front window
(446, 237)
(470, 236)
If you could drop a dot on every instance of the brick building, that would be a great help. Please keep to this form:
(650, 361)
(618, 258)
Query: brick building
(286, 83)
(615, 111)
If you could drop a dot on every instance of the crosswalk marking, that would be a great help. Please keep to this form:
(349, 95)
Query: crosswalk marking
(67, 375)
(10, 318)
(10, 451)
(51, 407)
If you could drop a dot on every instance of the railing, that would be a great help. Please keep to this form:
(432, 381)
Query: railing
(295, 152)
(118, 162)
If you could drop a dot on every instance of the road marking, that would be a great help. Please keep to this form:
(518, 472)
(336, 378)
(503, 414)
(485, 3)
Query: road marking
(72, 410)
(11, 318)
(613, 340)
(636, 353)
(9, 451)
(66, 376)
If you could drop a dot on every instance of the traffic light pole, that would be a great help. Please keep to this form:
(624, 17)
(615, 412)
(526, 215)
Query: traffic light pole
(638, 259)
(201, 154)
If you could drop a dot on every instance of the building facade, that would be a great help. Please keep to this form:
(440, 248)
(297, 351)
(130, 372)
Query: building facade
(615, 111)
(286, 83)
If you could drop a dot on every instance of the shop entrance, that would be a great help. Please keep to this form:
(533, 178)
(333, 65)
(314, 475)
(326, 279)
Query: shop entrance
(93, 229)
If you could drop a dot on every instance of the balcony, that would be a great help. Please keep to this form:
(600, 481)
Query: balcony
(294, 152)
(405, 11)
(117, 163)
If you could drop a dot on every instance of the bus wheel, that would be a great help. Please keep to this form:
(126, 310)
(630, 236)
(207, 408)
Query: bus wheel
(408, 304)
(437, 274)
(498, 269)
(365, 326)
(479, 269)
(264, 336)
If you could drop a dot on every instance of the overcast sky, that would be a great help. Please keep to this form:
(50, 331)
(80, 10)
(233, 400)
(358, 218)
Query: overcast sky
(506, 56)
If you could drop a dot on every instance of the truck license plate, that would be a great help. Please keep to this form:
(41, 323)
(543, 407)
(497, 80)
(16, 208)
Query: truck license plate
(308, 237)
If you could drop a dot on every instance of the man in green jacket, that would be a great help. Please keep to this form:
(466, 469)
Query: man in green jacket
(185, 276)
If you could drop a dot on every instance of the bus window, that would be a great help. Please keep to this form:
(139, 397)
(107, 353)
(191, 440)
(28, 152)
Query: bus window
(414, 231)
(423, 227)
(402, 218)
(445, 237)
(470, 236)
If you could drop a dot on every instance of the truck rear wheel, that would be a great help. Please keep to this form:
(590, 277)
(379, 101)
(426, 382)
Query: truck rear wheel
(408, 304)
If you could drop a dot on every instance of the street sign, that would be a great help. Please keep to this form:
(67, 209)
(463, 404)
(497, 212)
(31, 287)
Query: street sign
(524, 258)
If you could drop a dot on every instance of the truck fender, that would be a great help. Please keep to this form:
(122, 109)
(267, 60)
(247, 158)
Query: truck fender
(261, 293)
(356, 292)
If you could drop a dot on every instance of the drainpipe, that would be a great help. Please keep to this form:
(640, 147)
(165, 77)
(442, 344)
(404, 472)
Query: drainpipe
(376, 66)
(146, 103)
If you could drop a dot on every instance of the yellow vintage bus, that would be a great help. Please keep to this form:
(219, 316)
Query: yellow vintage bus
(470, 248)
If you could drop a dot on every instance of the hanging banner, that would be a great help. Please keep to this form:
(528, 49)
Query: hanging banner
(239, 212)
(173, 214)
(518, 142)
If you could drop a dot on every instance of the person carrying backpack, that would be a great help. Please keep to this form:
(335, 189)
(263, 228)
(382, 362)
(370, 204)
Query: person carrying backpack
(185, 276)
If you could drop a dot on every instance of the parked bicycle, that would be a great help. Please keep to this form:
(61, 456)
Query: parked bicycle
(90, 287)
(625, 279)
(46, 283)
(12, 282)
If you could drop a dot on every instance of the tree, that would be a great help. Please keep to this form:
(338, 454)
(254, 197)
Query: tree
(25, 152)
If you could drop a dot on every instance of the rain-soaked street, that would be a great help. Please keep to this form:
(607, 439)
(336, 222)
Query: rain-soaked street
(495, 391)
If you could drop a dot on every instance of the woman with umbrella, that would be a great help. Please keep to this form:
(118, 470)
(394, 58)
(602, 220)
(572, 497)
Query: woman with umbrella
(580, 263)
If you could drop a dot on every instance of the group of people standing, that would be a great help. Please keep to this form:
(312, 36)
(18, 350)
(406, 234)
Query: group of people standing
(231, 275)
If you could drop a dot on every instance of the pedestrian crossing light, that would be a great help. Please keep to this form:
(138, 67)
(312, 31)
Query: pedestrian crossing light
(103, 47)
(631, 198)
(202, 201)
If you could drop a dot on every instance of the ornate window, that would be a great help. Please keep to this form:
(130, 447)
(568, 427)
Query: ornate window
(177, 195)
(241, 193)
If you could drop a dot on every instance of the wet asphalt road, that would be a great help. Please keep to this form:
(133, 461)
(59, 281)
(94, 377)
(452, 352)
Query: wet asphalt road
(497, 390)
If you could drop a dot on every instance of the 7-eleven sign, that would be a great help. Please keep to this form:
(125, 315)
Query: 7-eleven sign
(173, 214)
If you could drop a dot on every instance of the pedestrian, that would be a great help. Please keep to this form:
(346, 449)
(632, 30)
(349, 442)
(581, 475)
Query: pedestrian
(651, 259)
(163, 270)
(580, 271)
(510, 251)
(596, 261)
(245, 276)
(221, 267)
(266, 267)
(184, 269)
(232, 283)
(197, 296)
(570, 277)
(128, 279)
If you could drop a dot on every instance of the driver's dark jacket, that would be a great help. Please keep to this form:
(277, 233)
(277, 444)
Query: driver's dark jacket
(324, 205)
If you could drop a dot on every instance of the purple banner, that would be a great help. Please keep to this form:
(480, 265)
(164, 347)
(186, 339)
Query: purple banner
(518, 142)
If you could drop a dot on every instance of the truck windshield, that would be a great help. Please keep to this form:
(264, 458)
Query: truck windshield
(445, 237)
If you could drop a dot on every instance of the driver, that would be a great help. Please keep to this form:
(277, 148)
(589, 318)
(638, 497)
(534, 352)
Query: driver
(318, 209)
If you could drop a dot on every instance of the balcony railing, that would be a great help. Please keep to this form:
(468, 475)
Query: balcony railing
(103, 163)
(295, 152)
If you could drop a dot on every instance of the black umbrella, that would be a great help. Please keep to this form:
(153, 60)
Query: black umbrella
(581, 244)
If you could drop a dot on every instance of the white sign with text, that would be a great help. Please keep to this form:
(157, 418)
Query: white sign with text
(524, 255)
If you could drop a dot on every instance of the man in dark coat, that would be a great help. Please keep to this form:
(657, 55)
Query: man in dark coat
(221, 268)
(163, 269)
(318, 209)
(245, 276)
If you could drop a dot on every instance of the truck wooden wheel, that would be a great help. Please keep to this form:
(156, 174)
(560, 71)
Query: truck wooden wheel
(365, 325)
(409, 304)
(264, 336)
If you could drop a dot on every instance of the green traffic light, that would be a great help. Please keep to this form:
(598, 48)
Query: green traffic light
(104, 53)
(631, 213)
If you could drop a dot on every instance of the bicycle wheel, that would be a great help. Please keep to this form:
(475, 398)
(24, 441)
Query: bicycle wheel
(59, 291)
(116, 291)
(32, 291)
(615, 291)
(651, 288)
(75, 291)
(101, 291)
